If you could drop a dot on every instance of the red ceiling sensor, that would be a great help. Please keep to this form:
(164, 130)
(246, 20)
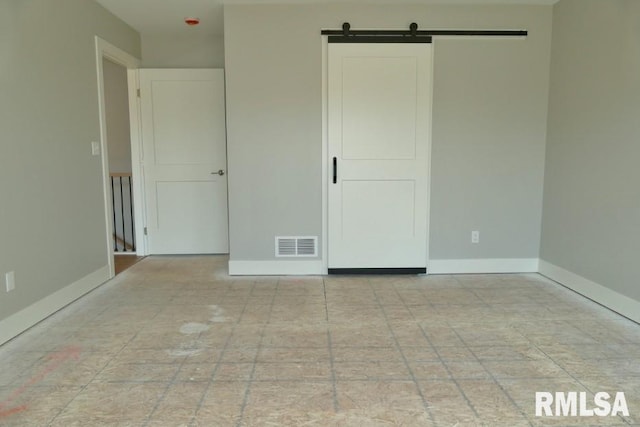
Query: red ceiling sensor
(192, 21)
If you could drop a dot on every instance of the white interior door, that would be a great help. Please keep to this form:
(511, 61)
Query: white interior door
(379, 118)
(184, 161)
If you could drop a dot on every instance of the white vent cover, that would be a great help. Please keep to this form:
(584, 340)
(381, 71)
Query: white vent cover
(296, 246)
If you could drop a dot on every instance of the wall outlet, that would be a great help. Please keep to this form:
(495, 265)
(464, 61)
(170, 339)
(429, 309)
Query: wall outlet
(10, 281)
(475, 237)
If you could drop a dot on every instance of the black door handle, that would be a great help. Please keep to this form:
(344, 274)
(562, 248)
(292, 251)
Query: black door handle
(335, 170)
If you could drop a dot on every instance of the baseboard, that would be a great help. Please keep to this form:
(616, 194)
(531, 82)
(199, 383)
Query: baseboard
(453, 266)
(482, 266)
(275, 268)
(609, 298)
(19, 322)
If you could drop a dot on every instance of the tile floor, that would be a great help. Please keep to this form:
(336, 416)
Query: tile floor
(174, 341)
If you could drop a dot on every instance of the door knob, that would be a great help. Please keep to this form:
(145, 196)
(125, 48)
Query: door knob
(220, 172)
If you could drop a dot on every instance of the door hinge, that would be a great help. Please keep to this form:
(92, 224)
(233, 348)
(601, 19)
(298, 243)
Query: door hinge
(138, 92)
(145, 231)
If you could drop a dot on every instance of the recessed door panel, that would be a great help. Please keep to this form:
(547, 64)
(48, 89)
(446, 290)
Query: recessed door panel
(184, 131)
(378, 209)
(182, 203)
(379, 108)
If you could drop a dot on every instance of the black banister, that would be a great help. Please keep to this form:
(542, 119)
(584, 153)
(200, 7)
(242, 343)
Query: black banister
(121, 224)
(113, 204)
(124, 231)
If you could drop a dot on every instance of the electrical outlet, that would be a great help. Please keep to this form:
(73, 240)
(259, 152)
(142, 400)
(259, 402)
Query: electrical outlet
(10, 281)
(475, 237)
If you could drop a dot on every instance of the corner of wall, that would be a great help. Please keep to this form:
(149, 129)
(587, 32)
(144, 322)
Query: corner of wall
(596, 292)
(19, 322)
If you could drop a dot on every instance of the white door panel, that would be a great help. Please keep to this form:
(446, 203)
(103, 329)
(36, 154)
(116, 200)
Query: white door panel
(184, 146)
(378, 120)
(182, 114)
(368, 205)
(379, 132)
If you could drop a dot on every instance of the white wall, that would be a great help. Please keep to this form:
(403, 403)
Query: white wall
(190, 50)
(52, 228)
(489, 124)
(591, 221)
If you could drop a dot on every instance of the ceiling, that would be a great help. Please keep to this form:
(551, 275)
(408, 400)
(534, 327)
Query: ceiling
(166, 17)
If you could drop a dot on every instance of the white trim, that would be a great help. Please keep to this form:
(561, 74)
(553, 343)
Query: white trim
(275, 268)
(609, 298)
(482, 266)
(325, 157)
(137, 172)
(19, 322)
(430, 147)
(105, 50)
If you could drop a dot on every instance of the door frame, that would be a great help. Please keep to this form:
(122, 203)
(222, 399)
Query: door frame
(105, 50)
(325, 156)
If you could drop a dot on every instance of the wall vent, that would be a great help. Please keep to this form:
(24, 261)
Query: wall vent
(296, 246)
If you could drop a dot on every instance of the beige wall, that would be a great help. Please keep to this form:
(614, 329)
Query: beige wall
(489, 124)
(116, 102)
(591, 221)
(52, 228)
(490, 119)
(182, 51)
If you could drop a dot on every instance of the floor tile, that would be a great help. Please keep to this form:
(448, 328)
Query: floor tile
(293, 371)
(371, 370)
(136, 372)
(286, 403)
(391, 395)
(34, 405)
(175, 341)
(179, 404)
(366, 354)
(111, 404)
(297, 354)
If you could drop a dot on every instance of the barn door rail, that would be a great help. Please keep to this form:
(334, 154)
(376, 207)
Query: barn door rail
(412, 35)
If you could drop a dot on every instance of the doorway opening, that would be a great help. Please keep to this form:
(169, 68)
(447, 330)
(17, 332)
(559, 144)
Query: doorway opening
(116, 102)
(117, 89)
